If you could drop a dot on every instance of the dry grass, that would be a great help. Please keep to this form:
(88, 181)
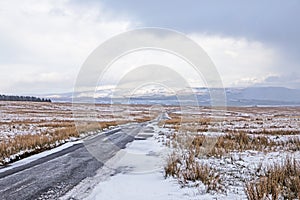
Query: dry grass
(187, 123)
(242, 141)
(280, 132)
(175, 119)
(142, 119)
(187, 169)
(33, 143)
(229, 143)
(56, 134)
(266, 121)
(30, 127)
(244, 129)
(185, 165)
(281, 181)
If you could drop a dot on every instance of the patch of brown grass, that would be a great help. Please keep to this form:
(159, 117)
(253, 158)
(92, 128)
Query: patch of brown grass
(281, 180)
(187, 169)
(280, 132)
(35, 143)
(230, 142)
(142, 119)
(242, 141)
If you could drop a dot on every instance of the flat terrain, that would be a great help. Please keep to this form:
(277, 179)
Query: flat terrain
(28, 128)
(236, 145)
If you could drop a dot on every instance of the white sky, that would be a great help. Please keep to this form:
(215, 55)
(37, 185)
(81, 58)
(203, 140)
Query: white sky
(44, 43)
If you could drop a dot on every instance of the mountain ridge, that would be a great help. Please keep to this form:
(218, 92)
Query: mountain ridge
(250, 96)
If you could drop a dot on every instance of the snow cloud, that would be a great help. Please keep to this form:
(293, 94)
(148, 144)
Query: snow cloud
(44, 43)
(240, 62)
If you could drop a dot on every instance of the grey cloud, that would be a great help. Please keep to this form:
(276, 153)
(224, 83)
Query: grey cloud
(271, 21)
(289, 80)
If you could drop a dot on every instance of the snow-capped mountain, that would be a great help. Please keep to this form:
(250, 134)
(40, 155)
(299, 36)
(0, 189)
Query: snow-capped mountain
(156, 95)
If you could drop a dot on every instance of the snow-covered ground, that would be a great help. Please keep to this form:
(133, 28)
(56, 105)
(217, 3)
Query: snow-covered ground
(30, 119)
(137, 172)
(21, 118)
(134, 173)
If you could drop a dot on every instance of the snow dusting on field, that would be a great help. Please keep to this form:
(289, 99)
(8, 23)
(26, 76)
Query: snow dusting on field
(138, 171)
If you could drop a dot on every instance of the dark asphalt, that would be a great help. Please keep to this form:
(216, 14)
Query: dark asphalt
(54, 175)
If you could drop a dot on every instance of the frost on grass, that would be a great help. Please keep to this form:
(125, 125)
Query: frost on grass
(279, 181)
(191, 172)
(252, 157)
(28, 128)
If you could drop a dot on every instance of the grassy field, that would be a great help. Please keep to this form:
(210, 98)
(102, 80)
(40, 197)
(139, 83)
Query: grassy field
(249, 151)
(27, 128)
(253, 152)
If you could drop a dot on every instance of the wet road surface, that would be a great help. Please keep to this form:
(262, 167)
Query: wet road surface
(52, 176)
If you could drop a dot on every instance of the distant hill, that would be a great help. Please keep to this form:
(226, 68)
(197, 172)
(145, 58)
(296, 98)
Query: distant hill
(23, 98)
(263, 96)
(251, 96)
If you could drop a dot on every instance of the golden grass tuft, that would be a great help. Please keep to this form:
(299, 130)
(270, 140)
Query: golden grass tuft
(187, 169)
(281, 181)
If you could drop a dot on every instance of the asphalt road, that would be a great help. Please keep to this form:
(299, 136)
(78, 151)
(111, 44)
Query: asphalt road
(52, 176)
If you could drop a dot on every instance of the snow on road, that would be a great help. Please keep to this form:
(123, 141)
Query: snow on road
(137, 173)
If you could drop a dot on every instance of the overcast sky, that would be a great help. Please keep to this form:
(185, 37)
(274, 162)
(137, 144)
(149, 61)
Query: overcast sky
(44, 43)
